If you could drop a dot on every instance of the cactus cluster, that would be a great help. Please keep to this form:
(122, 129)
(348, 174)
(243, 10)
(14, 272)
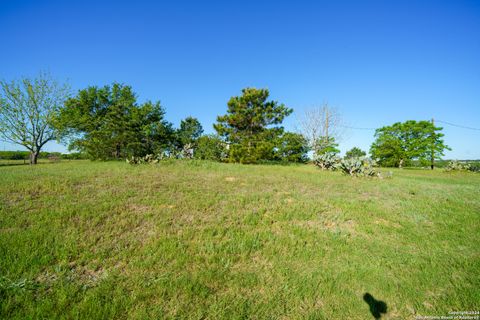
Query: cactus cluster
(358, 167)
(456, 165)
(148, 159)
(327, 161)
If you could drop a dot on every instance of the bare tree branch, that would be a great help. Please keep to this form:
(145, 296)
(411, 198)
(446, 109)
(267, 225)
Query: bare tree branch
(318, 122)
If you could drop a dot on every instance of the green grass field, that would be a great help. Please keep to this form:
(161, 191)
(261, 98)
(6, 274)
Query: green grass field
(201, 240)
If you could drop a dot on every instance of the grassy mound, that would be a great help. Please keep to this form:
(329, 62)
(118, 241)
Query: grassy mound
(197, 240)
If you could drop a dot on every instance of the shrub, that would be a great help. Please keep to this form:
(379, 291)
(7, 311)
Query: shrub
(14, 155)
(291, 147)
(74, 156)
(210, 147)
(54, 158)
(474, 167)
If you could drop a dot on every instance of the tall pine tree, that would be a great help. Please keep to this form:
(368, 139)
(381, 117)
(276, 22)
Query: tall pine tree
(250, 126)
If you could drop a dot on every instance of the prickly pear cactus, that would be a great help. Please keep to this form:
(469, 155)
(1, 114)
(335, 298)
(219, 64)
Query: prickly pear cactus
(327, 161)
(456, 165)
(358, 167)
(149, 158)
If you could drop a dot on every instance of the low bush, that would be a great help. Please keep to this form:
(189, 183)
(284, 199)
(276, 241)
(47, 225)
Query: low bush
(16, 155)
(474, 167)
(74, 156)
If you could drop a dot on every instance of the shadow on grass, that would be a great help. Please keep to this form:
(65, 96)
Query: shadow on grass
(377, 307)
(6, 164)
(12, 164)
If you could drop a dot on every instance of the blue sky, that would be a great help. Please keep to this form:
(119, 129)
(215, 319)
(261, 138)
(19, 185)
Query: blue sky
(377, 61)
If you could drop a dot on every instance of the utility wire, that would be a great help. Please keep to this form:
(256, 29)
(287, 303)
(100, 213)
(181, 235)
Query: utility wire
(457, 125)
(440, 121)
(356, 128)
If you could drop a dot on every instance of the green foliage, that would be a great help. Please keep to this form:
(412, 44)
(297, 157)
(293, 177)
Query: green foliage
(23, 155)
(108, 123)
(291, 147)
(15, 155)
(358, 167)
(327, 161)
(253, 149)
(327, 145)
(474, 166)
(355, 153)
(401, 143)
(28, 112)
(189, 132)
(74, 156)
(186, 137)
(210, 147)
(249, 127)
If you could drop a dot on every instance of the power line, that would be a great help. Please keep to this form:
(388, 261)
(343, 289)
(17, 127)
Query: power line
(440, 121)
(457, 125)
(357, 128)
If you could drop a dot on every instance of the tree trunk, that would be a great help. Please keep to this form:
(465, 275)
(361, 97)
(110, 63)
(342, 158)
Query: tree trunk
(433, 146)
(33, 157)
(117, 151)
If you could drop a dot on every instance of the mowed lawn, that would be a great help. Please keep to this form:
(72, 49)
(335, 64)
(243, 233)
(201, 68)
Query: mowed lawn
(202, 240)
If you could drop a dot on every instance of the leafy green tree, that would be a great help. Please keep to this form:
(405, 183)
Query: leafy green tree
(401, 143)
(327, 145)
(210, 147)
(355, 153)
(187, 135)
(108, 123)
(292, 147)
(249, 127)
(28, 109)
(190, 130)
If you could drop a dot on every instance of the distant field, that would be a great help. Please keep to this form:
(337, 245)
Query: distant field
(196, 240)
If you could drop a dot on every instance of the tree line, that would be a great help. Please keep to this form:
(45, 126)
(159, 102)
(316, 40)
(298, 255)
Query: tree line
(109, 123)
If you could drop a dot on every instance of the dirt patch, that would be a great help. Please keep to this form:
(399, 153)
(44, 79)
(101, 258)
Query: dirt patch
(81, 274)
(347, 226)
(138, 208)
(387, 223)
